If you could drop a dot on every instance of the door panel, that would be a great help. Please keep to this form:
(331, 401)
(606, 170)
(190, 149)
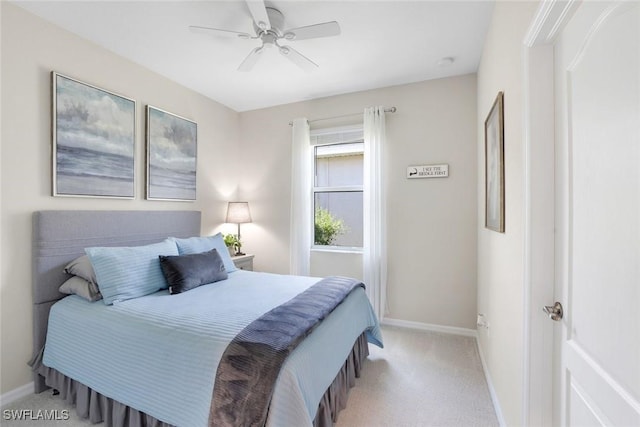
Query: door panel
(580, 412)
(598, 219)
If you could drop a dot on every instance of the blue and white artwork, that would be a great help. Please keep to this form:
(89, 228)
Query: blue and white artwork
(171, 156)
(94, 141)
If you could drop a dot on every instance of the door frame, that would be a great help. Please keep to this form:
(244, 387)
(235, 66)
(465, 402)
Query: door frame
(539, 408)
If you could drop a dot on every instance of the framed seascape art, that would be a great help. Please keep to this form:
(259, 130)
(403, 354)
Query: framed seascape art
(171, 156)
(494, 166)
(93, 140)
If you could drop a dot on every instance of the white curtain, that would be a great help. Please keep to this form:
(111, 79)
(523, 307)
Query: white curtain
(301, 226)
(375, 229)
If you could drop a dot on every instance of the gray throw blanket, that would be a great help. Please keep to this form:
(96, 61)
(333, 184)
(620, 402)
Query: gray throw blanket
(251, 363)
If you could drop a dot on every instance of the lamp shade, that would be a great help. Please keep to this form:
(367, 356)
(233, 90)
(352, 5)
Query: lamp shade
(238, 213)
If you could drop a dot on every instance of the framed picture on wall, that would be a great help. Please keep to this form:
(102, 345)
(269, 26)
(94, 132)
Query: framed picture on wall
(494, 166)
(93, 133)
(171, 156)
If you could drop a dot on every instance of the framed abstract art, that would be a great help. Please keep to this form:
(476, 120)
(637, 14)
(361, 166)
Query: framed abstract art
(93, 133)
(171, 156)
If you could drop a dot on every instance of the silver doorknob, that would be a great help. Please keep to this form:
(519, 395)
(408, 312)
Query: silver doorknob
(554, 311)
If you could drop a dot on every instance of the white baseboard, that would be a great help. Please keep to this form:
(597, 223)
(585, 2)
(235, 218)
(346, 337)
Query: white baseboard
(15, 394)
(429, 327)
(492, 391)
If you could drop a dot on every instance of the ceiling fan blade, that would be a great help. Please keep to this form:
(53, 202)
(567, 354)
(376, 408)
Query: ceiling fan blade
(326, 29)
(297, 58)
(251, 59)
(218, 32)
(259, 13)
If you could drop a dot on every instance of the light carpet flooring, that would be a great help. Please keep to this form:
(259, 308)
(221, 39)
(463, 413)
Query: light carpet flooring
(418, 379)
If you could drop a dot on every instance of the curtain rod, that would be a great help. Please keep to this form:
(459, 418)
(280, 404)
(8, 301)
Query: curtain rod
(386, 110)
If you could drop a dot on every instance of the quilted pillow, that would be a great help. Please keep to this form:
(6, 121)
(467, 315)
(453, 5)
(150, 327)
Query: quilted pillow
(194, 245)
(186, 272)
(129, 272)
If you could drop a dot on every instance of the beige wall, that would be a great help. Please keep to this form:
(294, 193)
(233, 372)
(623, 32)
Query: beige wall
(348, 264)
(432, 222)
(500, 256)
(31, 49)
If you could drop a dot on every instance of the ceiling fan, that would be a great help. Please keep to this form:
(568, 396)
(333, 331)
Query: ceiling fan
(268, 26)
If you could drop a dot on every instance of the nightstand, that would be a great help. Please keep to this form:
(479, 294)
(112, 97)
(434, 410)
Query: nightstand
(243, 262)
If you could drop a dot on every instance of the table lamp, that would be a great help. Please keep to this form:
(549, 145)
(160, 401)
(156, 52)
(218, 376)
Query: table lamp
(238, 213)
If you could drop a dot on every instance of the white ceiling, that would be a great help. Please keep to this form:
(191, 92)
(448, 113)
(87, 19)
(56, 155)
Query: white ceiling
(383, 43)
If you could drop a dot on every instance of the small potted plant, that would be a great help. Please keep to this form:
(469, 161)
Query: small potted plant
(233, 244)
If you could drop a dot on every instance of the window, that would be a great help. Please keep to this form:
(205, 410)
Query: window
(338, 158)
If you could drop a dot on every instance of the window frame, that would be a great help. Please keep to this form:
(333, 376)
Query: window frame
(333, 189)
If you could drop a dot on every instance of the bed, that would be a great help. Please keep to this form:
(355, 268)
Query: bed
(152, 360)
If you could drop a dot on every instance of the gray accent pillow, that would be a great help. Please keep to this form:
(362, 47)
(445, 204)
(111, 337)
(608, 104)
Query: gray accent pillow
(82, 267)
(76, 285)
(186, 272)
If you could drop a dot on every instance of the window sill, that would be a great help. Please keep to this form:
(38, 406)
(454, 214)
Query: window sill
(336, 249)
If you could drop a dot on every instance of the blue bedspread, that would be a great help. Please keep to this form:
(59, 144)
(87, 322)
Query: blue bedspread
(159, 353)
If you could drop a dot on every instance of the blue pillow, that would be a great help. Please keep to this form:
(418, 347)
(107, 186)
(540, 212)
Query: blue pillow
(196, 245)
(129, 272)
(186, 272)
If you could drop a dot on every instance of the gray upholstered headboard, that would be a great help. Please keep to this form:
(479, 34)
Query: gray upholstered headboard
(61, 236)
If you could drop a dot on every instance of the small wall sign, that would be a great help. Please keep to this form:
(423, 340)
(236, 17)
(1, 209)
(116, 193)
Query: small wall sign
(428, 171)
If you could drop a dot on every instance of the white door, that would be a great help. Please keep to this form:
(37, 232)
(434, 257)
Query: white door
(597, 346)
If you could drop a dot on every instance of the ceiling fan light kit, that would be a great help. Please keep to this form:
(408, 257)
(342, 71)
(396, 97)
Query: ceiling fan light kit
(267, 24)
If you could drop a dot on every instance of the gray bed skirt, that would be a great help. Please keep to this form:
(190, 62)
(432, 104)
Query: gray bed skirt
(335, 398)
(97, 408)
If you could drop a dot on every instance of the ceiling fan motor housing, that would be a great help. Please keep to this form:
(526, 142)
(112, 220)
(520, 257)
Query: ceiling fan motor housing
(276, 19)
